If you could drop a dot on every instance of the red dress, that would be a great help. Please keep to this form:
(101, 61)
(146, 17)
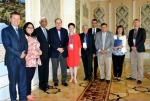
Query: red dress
(73, 58)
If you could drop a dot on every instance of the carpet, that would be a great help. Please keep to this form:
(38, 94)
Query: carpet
(95, 91)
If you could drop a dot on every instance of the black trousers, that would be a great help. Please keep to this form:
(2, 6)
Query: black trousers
(117, 65)
(87, 63)
(30, 71)
(43, 71)
(95, 66)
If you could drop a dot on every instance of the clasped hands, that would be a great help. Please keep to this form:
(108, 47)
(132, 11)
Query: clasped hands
(103, 52)
(61, 50)
(133, 48)
(115, 48)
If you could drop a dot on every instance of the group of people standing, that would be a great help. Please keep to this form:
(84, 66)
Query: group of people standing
(27, 48)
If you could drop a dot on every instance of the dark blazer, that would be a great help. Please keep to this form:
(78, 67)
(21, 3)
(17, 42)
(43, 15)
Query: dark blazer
(14, 46)
(91, 45)
(44, 44)
(56, 43)
(140, 39)
(90, 30)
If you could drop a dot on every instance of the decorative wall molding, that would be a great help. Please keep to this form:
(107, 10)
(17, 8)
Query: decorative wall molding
(145, 18)
(122, 17)
(99, 14)
(78, 20)
(85, 11)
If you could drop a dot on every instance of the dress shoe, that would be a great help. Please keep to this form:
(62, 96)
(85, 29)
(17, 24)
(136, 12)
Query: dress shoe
(65, 84)
(55, 84)
(95, 77)
(49, 87)
(43, 88)
(90, 80)
(118, 79)
(108, 81)
(85, 79)
(139, 82)
(130, 78)
(102, 80)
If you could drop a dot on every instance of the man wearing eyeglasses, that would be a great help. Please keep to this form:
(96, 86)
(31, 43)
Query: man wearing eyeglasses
(93, 31)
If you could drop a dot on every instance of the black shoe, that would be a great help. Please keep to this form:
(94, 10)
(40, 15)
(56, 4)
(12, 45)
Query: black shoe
(108, 81)
(55, 84)
(90, 80)
(43, 89)
(95, 77)
(139, 82)
(49, 87)
(65, 84)
(130, 78)
(85, 79)
(102, 80)
(118, 80)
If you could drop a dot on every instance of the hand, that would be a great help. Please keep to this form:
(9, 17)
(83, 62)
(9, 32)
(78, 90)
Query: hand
(39, 52)
(120, 46)
(115, 48)
(94, 55)
(79, 54)
(35, 52)
(22, 55)
(133, 48)
(102, 51)
(61, 50)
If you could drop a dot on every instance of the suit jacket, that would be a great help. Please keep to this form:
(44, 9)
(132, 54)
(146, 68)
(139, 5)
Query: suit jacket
(56, 43)
(14, 46)
(109, 43)
(91, 45)
(90, 30)
(140, 39)
(44, 44)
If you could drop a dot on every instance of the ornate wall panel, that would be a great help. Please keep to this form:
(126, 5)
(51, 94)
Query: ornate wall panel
(122, 17)
(99, 14)
(85, 11)
(145, 18)
(51, 10)
(78, 20)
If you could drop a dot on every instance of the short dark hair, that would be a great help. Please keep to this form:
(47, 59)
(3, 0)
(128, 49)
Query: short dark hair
(58, 19)
(94, 20)
(120, 26)
(24, 28)
(136, 20)
(71, 24)
(103, 24)
(14, 13)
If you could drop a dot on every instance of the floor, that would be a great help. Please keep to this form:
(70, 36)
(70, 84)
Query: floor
(119, 91)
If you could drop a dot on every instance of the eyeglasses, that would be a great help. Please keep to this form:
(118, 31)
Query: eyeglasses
(30, 27)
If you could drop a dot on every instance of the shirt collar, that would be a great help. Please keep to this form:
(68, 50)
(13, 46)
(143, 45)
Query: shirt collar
(14, 27)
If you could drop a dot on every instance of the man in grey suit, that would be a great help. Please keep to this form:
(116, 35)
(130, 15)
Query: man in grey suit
(104, 43)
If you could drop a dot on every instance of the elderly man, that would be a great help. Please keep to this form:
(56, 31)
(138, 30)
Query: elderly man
(43, 70)
(59, 41)
(104, 43)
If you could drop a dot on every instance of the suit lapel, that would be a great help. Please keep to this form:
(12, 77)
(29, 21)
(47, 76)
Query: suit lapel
(43, 33)
(12, 30)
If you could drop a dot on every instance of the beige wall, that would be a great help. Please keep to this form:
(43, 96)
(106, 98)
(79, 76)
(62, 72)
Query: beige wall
(116, 3)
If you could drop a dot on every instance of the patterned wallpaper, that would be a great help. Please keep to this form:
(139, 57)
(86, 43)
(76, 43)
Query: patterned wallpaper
(51, 10)
(145, 18)
(122, 17)
(78, 20)
(99, 14)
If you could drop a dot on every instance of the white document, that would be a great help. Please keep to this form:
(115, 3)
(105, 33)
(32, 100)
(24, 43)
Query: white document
(84, 45)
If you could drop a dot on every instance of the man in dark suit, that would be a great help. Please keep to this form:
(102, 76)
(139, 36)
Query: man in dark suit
(43, 70)
(93, 31)
(87, 51)
(58, 38)
(16, 47)
(136, 40)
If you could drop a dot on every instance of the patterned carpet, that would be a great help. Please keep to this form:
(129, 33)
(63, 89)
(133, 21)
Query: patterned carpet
(95, 91)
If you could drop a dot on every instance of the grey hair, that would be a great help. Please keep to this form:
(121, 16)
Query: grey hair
(42, 19)
(84, 26)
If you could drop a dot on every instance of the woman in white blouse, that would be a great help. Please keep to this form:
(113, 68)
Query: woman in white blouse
(118, 53)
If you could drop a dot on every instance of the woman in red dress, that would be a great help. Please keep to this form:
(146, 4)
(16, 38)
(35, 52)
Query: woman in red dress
(74, 52)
